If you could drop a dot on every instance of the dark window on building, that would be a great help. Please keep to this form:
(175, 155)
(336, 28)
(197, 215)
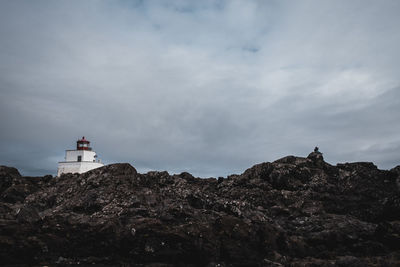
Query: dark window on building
(79, 158)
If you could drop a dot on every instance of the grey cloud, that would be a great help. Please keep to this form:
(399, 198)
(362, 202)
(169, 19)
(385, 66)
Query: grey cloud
(211, 87)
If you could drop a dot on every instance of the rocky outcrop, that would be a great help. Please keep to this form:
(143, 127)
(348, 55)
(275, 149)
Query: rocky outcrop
(292, 212)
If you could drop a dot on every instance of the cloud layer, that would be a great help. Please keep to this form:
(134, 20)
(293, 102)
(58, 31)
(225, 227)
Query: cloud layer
(211, 87)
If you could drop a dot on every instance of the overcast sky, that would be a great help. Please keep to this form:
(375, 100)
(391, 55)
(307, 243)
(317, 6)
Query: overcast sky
(208, 87)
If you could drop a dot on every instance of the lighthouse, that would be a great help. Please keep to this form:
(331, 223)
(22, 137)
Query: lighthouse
(80, 160)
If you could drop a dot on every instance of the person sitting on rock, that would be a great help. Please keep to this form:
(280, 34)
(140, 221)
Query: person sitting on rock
(316, 149)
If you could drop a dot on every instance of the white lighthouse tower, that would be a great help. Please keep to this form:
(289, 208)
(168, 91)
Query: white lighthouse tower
(81, 160)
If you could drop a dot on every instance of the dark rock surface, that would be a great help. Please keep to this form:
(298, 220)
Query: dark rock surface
(291, 212)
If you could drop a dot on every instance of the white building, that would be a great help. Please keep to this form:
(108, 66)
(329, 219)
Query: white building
(81, 160)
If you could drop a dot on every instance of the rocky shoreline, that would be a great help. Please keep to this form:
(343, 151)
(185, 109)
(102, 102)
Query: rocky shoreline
(292, 212)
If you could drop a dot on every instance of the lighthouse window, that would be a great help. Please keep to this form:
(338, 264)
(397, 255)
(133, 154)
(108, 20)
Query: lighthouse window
(79, 158)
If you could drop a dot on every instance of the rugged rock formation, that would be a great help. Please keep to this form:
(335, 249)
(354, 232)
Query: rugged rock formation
(291, 212)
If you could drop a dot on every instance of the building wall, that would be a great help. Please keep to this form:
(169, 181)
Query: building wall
(77, 167)
(72, 155)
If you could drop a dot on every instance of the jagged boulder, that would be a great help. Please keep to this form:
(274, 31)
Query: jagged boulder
(15, 188)
(8, 177)
(292, 212)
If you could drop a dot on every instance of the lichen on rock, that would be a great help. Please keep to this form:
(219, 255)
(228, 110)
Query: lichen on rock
(292, 212)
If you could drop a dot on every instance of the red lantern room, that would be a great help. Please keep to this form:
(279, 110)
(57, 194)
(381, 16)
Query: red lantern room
(83, 144)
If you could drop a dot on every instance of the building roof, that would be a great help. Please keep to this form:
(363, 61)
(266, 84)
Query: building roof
(83, 140)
